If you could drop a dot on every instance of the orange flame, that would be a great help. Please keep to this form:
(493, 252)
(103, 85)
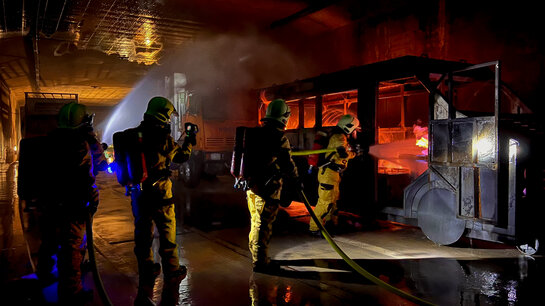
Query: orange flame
(422, 142)
(264, 98)
(421, 133)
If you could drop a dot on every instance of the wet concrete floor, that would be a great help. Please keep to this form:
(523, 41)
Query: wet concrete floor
(212, 235)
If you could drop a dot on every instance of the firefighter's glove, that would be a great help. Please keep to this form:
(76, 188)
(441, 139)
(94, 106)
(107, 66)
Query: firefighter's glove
(358, 149)
(191, 139)
(341, 150)
(190, 129)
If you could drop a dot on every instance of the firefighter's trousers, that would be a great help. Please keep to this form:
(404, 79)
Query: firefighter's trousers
(262, 213)
(146, 212)
(65, 230)
(328, 194)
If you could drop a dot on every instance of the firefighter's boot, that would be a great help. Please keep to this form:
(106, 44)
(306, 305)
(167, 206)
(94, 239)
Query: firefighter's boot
(171, 286)
(146, 283)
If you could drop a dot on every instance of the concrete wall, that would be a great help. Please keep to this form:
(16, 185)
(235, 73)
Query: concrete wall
(470, 31)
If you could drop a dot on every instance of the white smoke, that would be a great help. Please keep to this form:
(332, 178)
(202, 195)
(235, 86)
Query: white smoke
(228, 64)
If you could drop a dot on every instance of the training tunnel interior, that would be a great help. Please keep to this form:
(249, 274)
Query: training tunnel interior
(442, 205)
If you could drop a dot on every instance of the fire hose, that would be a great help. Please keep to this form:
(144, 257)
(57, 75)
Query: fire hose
(93, 263)
(310, 152)
(354, 265)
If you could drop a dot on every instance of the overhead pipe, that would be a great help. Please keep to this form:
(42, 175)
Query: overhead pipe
(302, 13)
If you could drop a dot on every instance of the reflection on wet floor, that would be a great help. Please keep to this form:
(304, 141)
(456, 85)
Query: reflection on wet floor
(465, 274)
(212, 234)
(440, 281)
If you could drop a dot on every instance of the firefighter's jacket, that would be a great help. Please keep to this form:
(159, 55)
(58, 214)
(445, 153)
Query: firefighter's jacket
(271, 161)
(160, 150)
(330, 173)
(71, 183)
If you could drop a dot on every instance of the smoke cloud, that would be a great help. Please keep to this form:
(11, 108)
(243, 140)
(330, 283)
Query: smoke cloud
(221, 68)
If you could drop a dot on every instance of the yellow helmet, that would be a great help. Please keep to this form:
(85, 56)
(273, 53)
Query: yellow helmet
(348, 123)
(161, 109)
(74, 115)
(278, 111)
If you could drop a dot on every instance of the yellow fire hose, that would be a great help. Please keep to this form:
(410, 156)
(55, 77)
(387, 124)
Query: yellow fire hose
(354, 265)
(309, 152)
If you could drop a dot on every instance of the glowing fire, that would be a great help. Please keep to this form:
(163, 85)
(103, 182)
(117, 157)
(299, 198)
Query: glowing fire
(421, 133)
(422, 142)
(264, 98)
(399, 154)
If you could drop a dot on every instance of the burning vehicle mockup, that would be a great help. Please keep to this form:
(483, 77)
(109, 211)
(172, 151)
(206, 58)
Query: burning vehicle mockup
(452, 150)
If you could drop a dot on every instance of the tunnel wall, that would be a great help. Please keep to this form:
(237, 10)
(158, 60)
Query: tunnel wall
(8, 137)
(450, 30)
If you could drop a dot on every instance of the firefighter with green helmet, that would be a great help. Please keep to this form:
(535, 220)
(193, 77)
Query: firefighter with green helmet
(70, 194)
(329, 174)
(152, 202)
(269, 165)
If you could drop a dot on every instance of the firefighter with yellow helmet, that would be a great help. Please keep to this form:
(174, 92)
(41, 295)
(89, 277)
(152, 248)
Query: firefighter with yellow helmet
(329, 174)
(70, 194)
(152, 202)
(270, 163)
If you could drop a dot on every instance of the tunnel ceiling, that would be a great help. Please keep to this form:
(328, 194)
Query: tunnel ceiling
(100, 49)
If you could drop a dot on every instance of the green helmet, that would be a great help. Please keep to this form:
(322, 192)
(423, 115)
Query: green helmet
(161, 109)
(74, 115)
(348, 124)
(278, 111)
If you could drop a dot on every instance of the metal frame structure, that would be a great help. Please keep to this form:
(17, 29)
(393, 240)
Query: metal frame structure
(41, 110)
(473, 183)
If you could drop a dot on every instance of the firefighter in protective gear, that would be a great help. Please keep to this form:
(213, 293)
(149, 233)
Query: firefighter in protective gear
(267, 169)
(70, 195)
(76, 116)
(152, 202)
(329, 174)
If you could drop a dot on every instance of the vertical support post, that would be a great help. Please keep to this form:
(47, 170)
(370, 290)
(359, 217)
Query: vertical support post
(451, 110)
(301, 107)
(301, 125)
(318, 111)
(497, 105)
(402, 94)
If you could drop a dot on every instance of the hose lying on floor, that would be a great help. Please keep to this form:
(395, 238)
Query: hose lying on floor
(93, 263)
(354, 265)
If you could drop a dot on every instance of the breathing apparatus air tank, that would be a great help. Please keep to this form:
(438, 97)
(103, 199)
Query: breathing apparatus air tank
(129, 156)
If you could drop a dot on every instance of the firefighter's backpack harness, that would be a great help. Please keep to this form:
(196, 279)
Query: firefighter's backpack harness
(129, 155)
